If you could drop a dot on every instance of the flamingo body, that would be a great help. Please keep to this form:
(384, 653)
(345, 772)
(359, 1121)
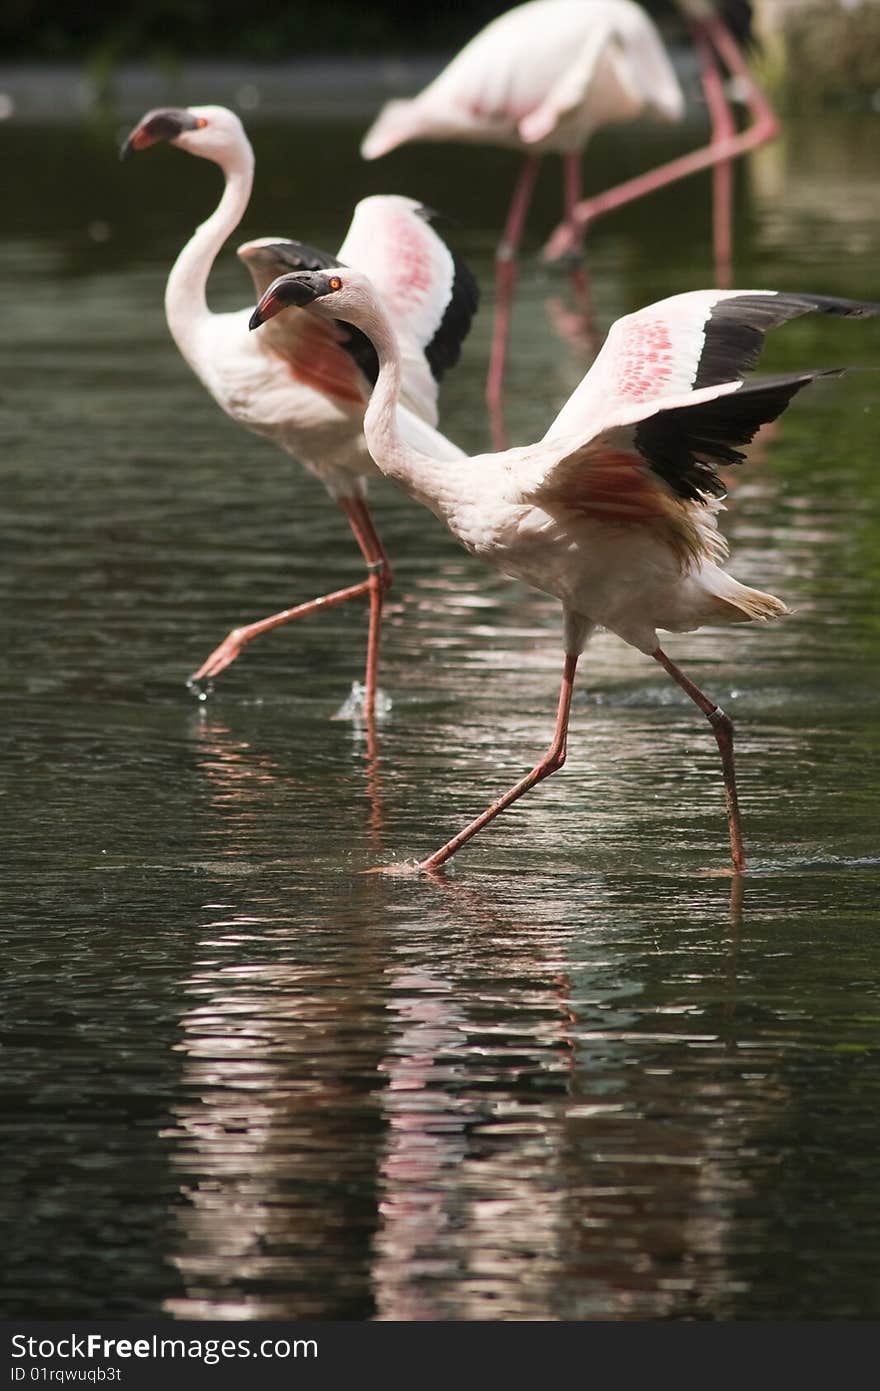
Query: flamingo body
(614, 511)
(541, 78)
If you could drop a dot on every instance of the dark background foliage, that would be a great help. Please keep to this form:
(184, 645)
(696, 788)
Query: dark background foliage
(260, 29)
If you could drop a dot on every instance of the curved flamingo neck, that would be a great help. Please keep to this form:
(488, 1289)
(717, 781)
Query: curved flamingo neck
(381, 429)
(422, 475)
(186, 306)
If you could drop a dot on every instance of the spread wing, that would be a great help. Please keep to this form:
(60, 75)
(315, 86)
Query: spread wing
(665, 404)
(684, 343)
(429, 294)
(653, 462)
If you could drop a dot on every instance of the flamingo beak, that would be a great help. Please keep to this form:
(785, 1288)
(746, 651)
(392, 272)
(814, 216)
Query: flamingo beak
(299, 288)
(164, 124)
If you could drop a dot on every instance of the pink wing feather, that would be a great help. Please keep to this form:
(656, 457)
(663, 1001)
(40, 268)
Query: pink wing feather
(690, 341)
(419, 283)
(647, 356)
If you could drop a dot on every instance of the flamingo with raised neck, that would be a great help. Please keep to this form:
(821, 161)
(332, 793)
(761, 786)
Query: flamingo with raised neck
(306, 385)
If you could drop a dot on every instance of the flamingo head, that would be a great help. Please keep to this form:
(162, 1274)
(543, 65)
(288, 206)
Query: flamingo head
(340, 293)
(210, 131)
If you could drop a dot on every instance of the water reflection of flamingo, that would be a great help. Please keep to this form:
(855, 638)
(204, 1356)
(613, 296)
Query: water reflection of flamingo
(242, 778)
(614, 511)
(470, 1222)
(516, 1178)
(451, 1110)
(306, 387)
(544, 77)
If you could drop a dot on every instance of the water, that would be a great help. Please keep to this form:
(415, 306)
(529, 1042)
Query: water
(584, 1076)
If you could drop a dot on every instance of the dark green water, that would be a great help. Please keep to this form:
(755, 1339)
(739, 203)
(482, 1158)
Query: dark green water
(582, 1078)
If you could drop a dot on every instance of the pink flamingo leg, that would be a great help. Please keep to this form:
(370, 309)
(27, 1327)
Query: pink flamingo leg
(579, 327)
(723, 127)
(571, 194)
(571, 197)
(552, 760)
(722, 728)
(374, 585)
(505, 279)
(764, 127)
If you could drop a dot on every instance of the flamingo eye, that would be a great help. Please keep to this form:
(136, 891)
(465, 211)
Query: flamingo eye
(335, 282)
(200, 123)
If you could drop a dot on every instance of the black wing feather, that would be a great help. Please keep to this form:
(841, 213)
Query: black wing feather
(444, 349)
(734, 331)
(682, 445)
(280, 257)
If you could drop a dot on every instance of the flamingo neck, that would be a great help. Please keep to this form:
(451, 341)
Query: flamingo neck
(421, 475)
(186, 306)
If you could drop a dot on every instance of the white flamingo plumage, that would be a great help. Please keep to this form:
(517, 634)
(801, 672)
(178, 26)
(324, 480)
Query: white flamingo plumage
(543, 78)
(306, 385)
(614, 510)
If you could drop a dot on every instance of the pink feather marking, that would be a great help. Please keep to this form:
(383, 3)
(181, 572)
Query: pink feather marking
(413, 280)
(315, 358)
(647, 361)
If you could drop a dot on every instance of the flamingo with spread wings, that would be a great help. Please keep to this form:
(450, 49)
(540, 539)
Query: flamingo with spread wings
(614, 510)
(543, 78)
(306, 384)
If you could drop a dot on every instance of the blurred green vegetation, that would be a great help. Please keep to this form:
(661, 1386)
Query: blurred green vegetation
(260, 30)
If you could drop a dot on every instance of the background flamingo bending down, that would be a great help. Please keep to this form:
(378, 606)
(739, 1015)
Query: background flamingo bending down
(307, 384)
(613, 511)
(544, 77)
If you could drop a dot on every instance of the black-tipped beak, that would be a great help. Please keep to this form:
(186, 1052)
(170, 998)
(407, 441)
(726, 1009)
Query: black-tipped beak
(298, 289)
(164, 124)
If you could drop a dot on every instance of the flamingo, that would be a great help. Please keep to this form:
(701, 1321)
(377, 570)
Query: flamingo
(543, 77)
(614, 510)
(307, 386)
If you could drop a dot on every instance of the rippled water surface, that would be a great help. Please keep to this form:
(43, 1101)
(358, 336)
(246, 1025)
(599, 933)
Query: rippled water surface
(582, 1076)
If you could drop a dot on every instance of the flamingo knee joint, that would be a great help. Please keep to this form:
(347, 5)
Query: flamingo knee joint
(719, 719)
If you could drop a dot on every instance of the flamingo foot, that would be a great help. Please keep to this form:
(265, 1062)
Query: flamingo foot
(565, 248)
(401, 869)
(221, 658)
(201, 686)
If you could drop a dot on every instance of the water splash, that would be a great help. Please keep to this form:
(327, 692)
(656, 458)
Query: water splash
(354, 705)
(200, 686)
